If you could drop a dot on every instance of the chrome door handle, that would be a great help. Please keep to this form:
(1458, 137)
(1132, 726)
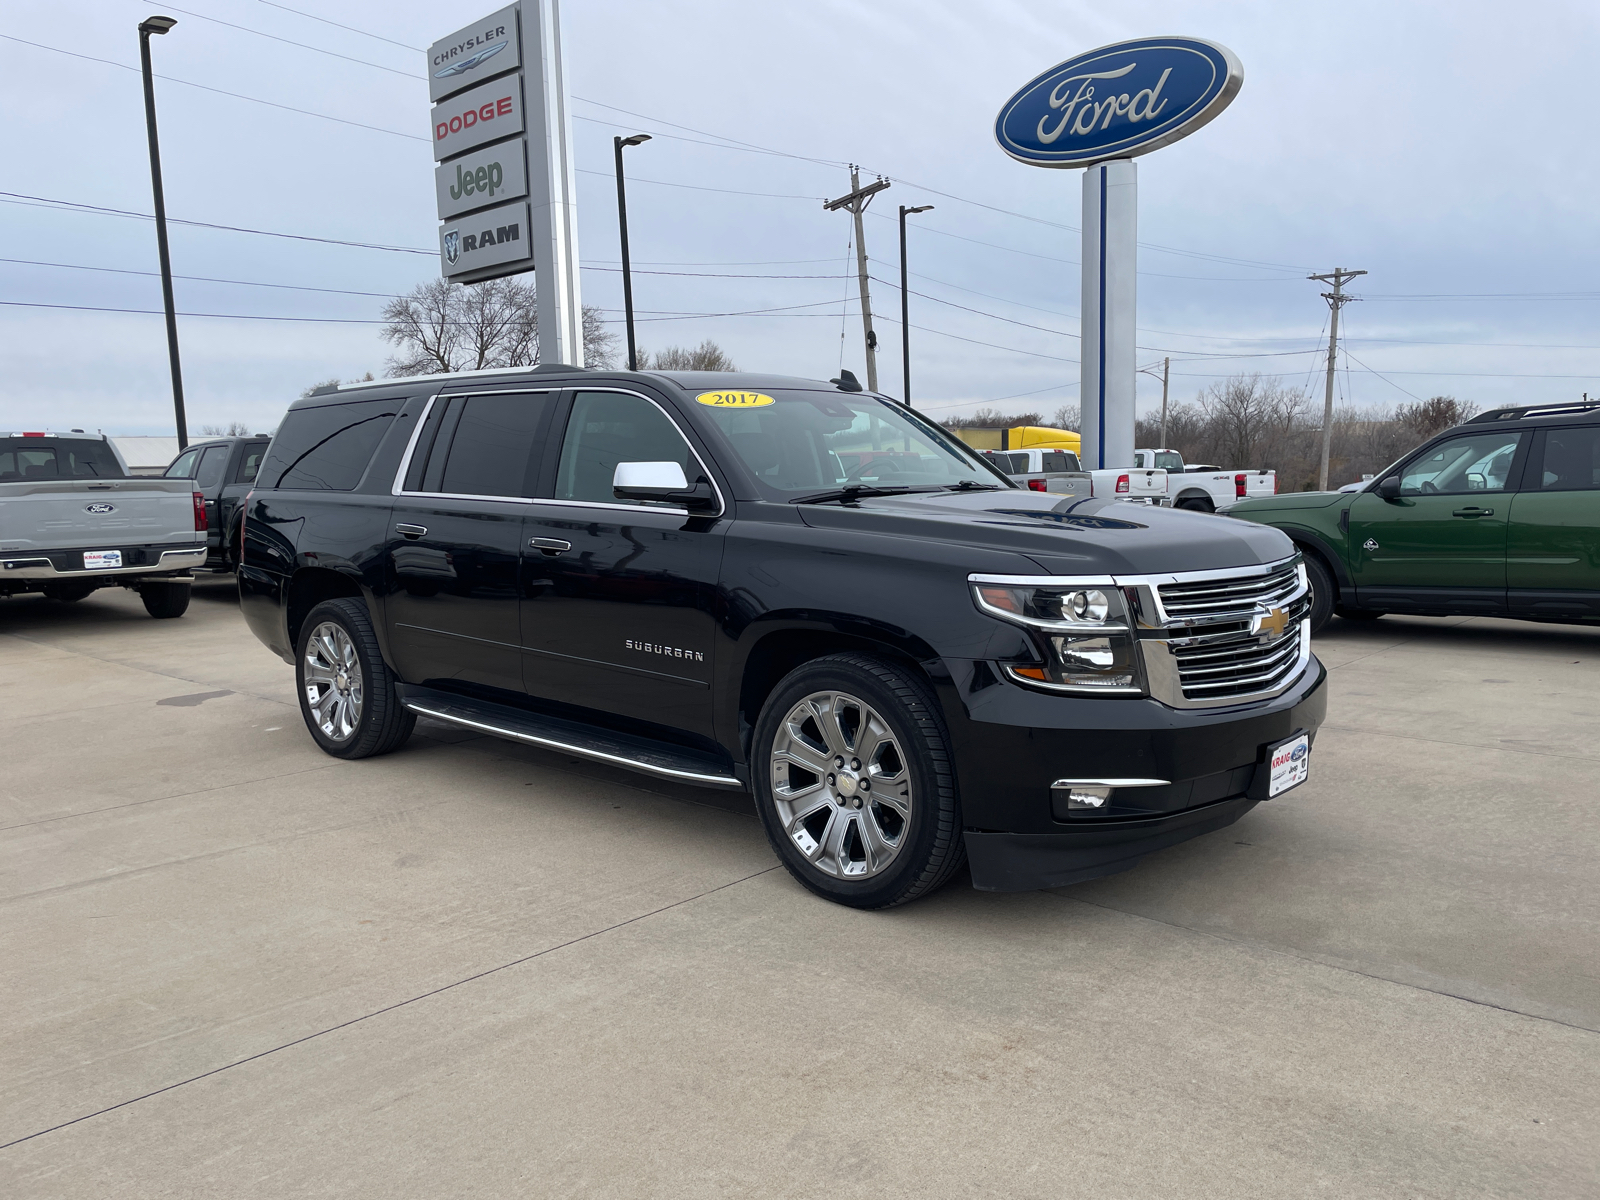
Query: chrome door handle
(411, 531)
(1473, 512)
(551, 546)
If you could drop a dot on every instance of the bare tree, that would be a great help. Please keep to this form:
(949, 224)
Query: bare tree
(231, 429)
(1428, 417)
(707, 356)
(993, 418)
(1068, 416)
(1251, 420)
(443, 326)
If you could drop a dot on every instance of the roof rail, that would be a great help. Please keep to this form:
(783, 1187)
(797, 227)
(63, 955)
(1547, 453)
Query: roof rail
(1533, 410)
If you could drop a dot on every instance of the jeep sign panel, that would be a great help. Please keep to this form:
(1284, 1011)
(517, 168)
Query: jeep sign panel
(485, 239)
(487, 113)
(483, 49)
(482, 178)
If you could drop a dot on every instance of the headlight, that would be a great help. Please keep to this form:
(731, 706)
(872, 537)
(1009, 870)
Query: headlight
(1083, 634)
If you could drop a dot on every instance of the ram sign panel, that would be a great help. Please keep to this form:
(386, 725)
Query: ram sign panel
(481, 50)
(487, 113)
(485, 239)
(490, 176)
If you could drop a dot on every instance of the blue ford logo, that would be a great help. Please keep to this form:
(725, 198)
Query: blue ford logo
(1118, 101)
(99, 509)
(1298, 753)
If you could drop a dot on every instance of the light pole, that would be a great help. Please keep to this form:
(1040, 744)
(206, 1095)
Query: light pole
(622, 224)
(905, 307)
(146, 28)
(1166, 365)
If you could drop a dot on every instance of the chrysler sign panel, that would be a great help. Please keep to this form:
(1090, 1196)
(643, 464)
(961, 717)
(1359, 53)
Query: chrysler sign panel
(489, 176)
(487, 113)
(481, 50)
(1118, 101)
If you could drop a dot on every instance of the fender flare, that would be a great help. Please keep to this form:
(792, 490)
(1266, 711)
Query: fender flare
(1324, 550)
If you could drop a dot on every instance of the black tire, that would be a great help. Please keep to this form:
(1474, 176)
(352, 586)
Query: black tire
(377, 723)
(1355, 614)
(68, 593)
(929, 847)
(165, 599)
(1196, 504)
(1324, 592)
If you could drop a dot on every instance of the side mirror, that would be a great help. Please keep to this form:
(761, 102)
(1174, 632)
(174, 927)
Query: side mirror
(1389, 488)
(663, 482)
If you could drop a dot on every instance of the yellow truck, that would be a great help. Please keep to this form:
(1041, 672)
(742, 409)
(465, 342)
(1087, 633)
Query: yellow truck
(1021, 437)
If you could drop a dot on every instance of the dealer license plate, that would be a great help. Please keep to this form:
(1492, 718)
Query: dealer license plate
(1289, 763)
(101, 560)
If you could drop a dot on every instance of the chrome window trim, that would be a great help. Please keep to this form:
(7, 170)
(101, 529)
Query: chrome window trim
(1160, 635)
(398, 487)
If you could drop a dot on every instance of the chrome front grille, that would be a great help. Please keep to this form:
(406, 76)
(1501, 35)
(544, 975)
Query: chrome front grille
(1211, 599)
(1239, 667)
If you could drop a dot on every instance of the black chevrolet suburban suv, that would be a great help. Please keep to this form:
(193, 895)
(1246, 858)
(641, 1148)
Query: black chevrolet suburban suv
(796, 588)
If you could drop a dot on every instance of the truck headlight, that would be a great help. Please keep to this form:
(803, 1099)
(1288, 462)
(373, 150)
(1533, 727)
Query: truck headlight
(1083, 635)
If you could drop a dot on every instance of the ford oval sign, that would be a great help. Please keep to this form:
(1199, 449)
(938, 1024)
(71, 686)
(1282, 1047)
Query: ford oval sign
(1118, 101)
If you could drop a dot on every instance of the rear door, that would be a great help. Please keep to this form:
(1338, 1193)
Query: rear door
(1440, 545)
(619, 615)
(208, 475)
(1553, 544)
(455, 540)
(241, 477)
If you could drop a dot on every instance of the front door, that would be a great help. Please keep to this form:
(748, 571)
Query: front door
(619, 616)
(1553, 553)
(1440, 544)
(455, 541)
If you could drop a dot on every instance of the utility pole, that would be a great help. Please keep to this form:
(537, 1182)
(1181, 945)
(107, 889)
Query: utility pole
(856, 203)
(160, 25)
(1336, 300)
(905, 304)
(1166, 367)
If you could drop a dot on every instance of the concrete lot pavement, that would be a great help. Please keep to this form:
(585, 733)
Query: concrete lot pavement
(235, 966)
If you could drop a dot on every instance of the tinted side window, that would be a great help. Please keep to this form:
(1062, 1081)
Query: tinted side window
(491, 448)
(212, 464)
(327, 448)
(183, 466)
(1570, 461)
(607, 428)
(251, 462)
(1477, 463)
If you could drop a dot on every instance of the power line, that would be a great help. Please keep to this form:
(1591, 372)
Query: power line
(291, 42)
(28, 262)
(349, 28)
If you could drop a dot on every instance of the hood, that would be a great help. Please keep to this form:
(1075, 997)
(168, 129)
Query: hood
(1063, 535)
(1290, 500)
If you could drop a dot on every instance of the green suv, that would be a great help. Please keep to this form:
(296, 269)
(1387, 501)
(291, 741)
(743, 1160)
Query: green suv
(1499, 517)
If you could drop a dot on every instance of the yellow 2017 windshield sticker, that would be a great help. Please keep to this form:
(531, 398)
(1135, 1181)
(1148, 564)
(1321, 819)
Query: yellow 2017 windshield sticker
(734, 399)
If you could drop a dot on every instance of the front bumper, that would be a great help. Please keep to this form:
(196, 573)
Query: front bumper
(1011, 744)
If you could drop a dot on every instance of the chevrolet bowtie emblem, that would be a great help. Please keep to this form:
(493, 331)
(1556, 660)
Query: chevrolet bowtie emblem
(1271, 624)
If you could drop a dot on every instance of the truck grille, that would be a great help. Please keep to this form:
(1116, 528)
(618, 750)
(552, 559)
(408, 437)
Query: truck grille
(1222, 598)
(1241, 668)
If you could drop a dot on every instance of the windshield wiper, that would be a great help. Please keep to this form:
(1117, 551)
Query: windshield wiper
(972, 485)
(856, 491)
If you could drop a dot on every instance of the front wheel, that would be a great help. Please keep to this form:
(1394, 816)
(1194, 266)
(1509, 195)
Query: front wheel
(1324, 592)
(347, 692)
(852, 774)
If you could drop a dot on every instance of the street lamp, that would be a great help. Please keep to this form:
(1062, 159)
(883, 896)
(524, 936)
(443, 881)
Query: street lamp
(146, 27)
(905, 307)
(622, 223)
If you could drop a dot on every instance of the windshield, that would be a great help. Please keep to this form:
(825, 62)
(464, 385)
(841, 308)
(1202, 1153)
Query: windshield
(798, 442)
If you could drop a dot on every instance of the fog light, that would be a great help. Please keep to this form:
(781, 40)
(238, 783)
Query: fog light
(1088, 797)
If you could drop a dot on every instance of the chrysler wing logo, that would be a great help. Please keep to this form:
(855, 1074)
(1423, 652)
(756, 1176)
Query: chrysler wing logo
(1269, 624)
(466, 64)
(99, 509)
(452, 245)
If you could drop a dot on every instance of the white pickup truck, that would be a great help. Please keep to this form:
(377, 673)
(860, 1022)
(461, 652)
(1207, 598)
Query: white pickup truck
(72, 520)
(1058, 471)
(1205, 488)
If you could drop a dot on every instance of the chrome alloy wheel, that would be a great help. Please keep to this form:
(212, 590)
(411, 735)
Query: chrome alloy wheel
(841, 785)
(333, 681)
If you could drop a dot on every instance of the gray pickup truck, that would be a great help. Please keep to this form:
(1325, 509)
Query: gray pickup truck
(73, 520)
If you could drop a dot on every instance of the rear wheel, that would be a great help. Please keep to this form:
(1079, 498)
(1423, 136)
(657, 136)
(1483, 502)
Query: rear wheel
(852, 775)
(165, 599)
(347, 692)
(1196, 504)
(1324, 592)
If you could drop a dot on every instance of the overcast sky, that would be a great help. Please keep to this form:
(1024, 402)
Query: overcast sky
(1446, 148)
